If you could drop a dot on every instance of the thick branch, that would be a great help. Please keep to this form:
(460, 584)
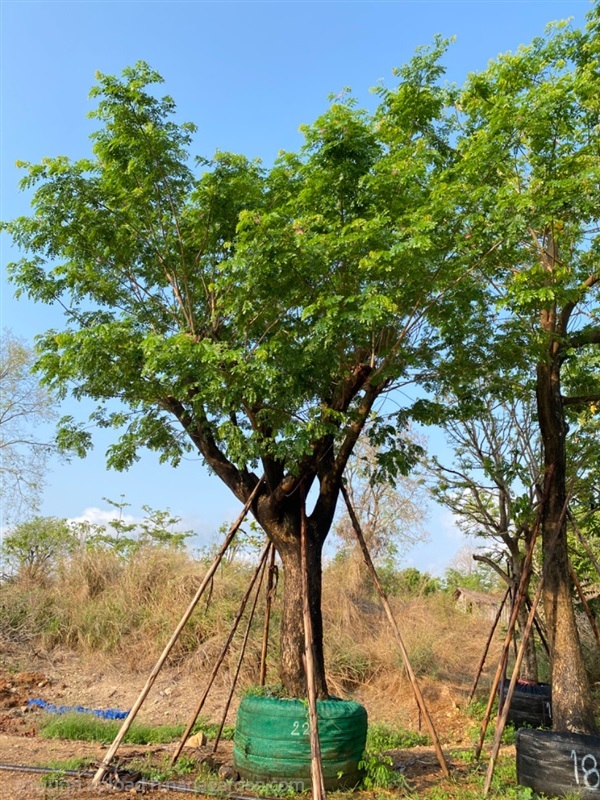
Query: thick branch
(493, 565)
(568, 308)
(583, 338)
(581, 399)
(240, 483)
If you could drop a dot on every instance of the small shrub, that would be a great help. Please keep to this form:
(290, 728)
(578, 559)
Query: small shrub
(378, 773)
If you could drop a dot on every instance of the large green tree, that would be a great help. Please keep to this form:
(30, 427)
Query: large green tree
(256, 316)
(527, 182)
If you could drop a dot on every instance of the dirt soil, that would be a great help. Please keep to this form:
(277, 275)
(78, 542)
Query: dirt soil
(64, 679)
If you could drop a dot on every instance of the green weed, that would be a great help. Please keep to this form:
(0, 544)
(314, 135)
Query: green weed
(54, 780)
(87, 728)
(382, 737)
(74, 763)
(378, 773)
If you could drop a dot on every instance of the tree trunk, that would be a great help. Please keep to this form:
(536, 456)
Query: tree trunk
(284, 532)
(572, 708)
(291, 663)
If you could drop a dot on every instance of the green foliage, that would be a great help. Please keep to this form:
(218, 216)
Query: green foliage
(381, 737)
(54, 780)
(479, 579)
(157, 529)
(408, 582)
(163, 771)
(73, 763)
(377, 768)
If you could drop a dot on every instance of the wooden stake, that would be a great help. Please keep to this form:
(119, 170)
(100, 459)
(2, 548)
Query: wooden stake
(585, 603)
(537, 623)
(110, 753)
(502, 717)
(487, 645)
(271, 585)
(407, 665)
(316, 765)
(222, 655)
(242, 654)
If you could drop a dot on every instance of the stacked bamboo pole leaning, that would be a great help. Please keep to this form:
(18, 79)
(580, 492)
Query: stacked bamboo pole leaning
(316, 764)
(503, 716)
(523, 584)
(487, 645)
(388, 610)
(222, 655)
(270, 593)
(110, 753)
(238, 667)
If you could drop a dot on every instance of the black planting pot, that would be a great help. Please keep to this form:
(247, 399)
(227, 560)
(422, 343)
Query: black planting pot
(558, 763)
(530, 706)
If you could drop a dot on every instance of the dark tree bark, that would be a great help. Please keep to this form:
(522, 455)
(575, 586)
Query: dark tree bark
(571, 698)
(291, 670)
(283, 528)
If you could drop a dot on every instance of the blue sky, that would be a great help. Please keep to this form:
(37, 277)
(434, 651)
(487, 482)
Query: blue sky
(248, 74)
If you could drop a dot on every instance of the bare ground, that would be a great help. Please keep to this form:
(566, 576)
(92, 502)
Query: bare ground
(63, 678)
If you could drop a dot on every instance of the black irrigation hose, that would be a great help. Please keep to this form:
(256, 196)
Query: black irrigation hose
(142, 783)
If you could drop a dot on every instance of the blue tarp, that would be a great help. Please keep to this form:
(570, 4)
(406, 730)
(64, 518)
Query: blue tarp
(109, 713)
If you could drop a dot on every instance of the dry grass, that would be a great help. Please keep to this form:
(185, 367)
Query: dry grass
(100, 605)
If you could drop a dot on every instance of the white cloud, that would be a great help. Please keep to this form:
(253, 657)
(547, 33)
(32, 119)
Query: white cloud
(101, 516)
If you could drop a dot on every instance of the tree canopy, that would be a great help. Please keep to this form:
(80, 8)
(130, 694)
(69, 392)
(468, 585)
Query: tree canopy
(253, 314)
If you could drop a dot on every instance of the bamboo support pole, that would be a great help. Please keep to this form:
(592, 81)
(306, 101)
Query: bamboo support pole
(523, 584)
(585, 603)
(502, 717)
(221, 656)
(110, 753)
(270, 591)
(487, 645)
(504, 654)
(316, 764)
(538, 625)
(388, 610)
(513, 598)
(236, 674)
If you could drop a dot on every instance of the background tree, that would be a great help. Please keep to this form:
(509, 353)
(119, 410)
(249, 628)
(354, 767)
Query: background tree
(32, 548)
(256, 316)
(464, 572)
(24, 407)
(391, 515)
(492, 485)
